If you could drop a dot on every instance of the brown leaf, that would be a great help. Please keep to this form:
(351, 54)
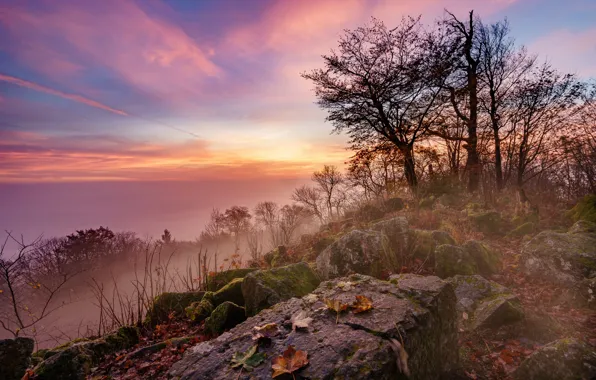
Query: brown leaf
(267, 331)
(290, 362)
(337, 306)
(300, 321)
(362, 304)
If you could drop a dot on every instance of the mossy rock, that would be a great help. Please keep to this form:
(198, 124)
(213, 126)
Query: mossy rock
(451, 260)
(484, 304)
(124, 337)
(397, 230)
(73, 363)
(15, 357)
(563, 359)
(199, 311)
(224, 317)
(522, 230)
(167, 303)
(487, 261)
(221, 279)
(422, 243)
(488, 222)
(231, 292)
(583, 226)
(369, 213)
(320, 244)
(427, 203)
(265, 288)
(585, 209)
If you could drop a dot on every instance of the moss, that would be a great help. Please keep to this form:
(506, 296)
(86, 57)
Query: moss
(488, 222)
(231, 292)
(73, 363)
(427, 203)
(524, 229)
(221, 279)
(125, 337)
(199, 311)
(451, 260)
(486, 260)
(585, 209)
(68, 344)
(225, 316)
(167, 303)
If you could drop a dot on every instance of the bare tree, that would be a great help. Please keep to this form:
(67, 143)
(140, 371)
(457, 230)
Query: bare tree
(311, 198)
(25, 300)
(292, 217)
(237, 221)
(382, 85)
(267, 213)
(503, 65)
(376, 169)
(329, 180)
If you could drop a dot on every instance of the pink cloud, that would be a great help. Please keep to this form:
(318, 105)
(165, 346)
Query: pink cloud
(73, 97)
(570, 51)
(151, 54)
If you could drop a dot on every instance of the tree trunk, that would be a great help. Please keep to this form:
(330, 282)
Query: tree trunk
(410, 167)
(498, 158)
(473, 163)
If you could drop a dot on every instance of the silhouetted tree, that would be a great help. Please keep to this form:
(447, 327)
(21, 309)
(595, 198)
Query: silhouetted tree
(329, 180)
(237, 221)
(166, 237)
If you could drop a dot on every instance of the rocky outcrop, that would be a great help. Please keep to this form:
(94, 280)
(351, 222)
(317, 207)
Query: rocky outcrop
(15, 357)
(367, 252)
(566, 258)
(484, 304)
(564, 359)
(265, 288)
(418, 312)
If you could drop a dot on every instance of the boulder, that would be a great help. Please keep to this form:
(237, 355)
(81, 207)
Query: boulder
(563, 359)
(73, 363)
(566, 258)
(484, 304)
(231, 292)
(221, 279)
(451, 260)
(264, 288)
(368, 213)
(166, 303)
(585, 209)
(487, 221)
(418, 312)
(422, 243)
(583, 226)
(396, 229)
(224, 317)
(487, 261)
(366, 252)
(15, 357)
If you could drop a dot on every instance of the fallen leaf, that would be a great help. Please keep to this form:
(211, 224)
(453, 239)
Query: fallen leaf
(362, 304)
(465, 316)
(267, 331)
(300, 321)
(247, 360)
(401, 356)
(290, 362)
(337, 306)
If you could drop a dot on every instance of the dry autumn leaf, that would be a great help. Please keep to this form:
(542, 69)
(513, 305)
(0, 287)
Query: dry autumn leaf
(267, 331)
(300, 321)
(247, 360)
(290, 362)
(337, 306)
(362, 304)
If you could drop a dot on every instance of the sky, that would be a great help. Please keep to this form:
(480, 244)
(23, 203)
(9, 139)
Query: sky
(148, 97)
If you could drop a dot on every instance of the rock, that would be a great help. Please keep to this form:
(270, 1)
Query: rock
(73, 363)
(451, 260)
(487, 222)
(486, 260)
(224, 317)
(484, 304)
(396, 229)
(264, 288)
(565, 258)
(231, 292)
(427, 203)
(585, 293)
(524, 229)
(15, 357)
(419, 311)
(394, 204)
(368, 213)
(221, 279)
(563, 359)
(166, 303)
(199, 311)
(422, 243)
(366, 252)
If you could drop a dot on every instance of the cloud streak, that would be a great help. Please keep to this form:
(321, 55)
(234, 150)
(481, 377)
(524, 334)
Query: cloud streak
(64, 95)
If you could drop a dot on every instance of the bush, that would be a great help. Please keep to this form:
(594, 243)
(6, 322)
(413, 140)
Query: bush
(585, 209)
